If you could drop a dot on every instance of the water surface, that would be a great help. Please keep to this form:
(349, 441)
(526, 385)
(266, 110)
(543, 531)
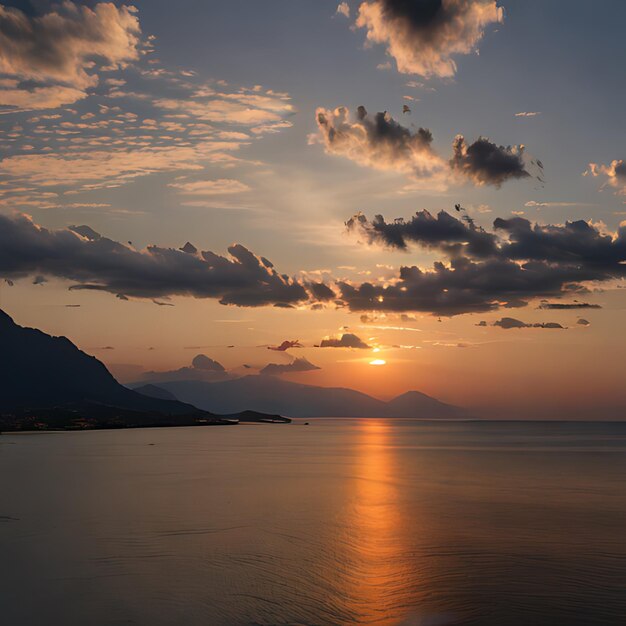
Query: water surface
(340, 522)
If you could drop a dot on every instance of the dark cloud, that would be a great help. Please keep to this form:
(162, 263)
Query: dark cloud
(202, 368)
(517, 262)
(203, 362)
(347, 340)
(286, 345)
(583, 322)
(510, 322)
(422, 36)
(297, 365)
(321, 291)
(562, 306)
(242, 279)
(466, 286)
(484, 271)
(443, 232)
(86, 231)
(576, 243)
(486, 163)
(189, 248)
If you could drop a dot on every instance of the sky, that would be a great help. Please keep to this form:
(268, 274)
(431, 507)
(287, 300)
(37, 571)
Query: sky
(418, 195)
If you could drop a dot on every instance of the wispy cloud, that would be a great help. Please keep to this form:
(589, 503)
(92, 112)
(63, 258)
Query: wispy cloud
(219, 187)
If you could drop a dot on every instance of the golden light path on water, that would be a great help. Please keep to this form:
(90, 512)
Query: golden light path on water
(375, 523)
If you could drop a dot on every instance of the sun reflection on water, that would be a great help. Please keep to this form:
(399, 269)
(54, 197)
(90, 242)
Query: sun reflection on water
(375, 522)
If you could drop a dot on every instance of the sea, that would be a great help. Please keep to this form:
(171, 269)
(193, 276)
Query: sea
(338, 521)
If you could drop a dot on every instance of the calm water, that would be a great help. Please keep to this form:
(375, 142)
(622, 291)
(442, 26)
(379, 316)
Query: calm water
(339, 522)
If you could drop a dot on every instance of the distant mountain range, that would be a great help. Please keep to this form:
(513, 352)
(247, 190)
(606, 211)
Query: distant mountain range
(271, 394)
(48, 381)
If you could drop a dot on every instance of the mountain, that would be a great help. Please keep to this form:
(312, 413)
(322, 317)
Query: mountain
(152, 391)
(38, 371)
(411, 401)
(273, 395)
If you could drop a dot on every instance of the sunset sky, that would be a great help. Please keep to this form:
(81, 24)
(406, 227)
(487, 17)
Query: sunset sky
(269, 136)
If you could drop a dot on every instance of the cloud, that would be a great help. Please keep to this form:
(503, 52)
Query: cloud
(382, 143)
(519, 261)
(483, 271)
(347, 340)
(442, 232)
(465, 286)
(102, 264)
(579, 244)
(583, 322)
(40, 97)
(246, 107)
(423, 36)
(104, 146)
(297, 365)
(189, 248)
(62, 50)
(564, 306)
(286, 345)
(320, 291)
(510, 322)
(486, 163)
(98, 168)
(379, 141)
(615, 175)
(219, 187)
(528, 114)
(203, 362)
(343, 8)
(540, 205)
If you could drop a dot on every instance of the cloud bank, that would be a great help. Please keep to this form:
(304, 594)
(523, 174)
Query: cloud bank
(95, 262)
(515, 263)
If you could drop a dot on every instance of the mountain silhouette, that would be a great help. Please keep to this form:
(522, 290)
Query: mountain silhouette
(38, 371)
(274, 395)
